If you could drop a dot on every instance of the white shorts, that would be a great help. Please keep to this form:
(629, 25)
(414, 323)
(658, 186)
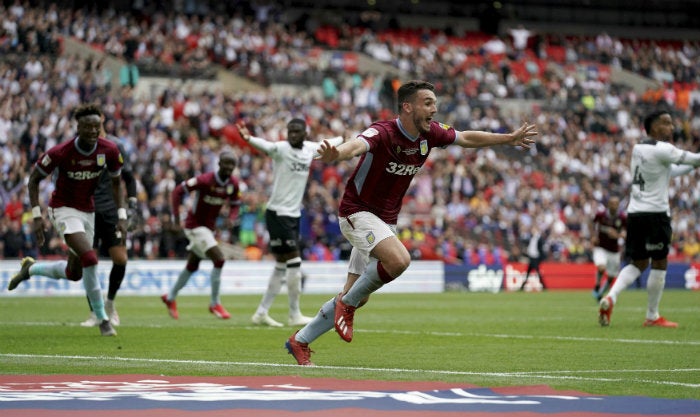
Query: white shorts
(610, 260)
(357, 262)
(201, 240)
(364, 231)
(67, 220)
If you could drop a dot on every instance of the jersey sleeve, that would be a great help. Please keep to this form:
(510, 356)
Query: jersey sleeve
(443, 134)
(47, 162)
(270, 148)
(115, 161)
(191, 184)
(672, 155)
(372, 136)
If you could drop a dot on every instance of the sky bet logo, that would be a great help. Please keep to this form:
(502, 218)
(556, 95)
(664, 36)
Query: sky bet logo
(483, 279)
(493, 280)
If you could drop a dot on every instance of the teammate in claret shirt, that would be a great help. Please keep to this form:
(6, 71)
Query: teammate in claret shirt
(79, 163)
(391, 153)
(108, 240)
(210, 192)
(608, 229)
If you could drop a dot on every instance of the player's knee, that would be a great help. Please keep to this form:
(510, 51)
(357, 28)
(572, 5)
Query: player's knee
(88, 259)
(391, 270)
(192, 266)
(397, 265)
(74, 271)
(219, 263)
(74, 274)
(119, 258)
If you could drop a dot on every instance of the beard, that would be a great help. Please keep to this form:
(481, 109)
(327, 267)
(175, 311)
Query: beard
(421, 124)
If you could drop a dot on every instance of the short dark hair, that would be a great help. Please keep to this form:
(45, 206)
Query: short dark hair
(410, 88)
(652, 117)
(297, 121)
(229, 155)
(86, 110)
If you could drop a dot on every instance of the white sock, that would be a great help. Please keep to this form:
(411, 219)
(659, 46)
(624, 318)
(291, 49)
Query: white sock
(655, 288)
(55, 270)
(627, 276)
(365, 285)
(273, 288)
(181, 282)
(320, 324)
(215, 279)
(94, 292)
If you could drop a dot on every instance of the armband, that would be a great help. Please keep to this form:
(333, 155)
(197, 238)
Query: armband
(36, 212)
(121, 213)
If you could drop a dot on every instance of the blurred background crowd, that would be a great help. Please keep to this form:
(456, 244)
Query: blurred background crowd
(475, 206)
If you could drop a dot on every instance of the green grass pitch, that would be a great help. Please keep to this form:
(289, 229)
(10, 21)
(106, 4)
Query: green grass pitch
(550, 338)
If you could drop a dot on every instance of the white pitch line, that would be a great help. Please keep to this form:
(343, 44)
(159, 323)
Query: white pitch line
(510, 375)
(536, 337)
(417, 333)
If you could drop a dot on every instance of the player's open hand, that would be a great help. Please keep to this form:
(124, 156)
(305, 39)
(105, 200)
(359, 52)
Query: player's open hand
(243, 131)
(327, 152)
(523, 136)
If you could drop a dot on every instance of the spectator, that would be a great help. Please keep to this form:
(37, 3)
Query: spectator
(536, 253)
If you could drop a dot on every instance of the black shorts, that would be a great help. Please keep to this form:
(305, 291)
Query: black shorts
(106, 233)
(284, 232)
(648, 236)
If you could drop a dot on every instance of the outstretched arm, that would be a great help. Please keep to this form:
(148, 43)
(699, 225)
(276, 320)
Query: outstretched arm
(690, 158)
(334, 141)
(350, 149)
(477, 139)
(258, 143)
(678, 170)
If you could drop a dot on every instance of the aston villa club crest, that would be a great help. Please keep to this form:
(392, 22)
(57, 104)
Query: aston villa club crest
(101, 160)
(370, 238)
(229, 189)
(424, 147)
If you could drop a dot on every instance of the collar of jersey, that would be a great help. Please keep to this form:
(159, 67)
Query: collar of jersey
(219, 180)
(75, 142)
(405, 133)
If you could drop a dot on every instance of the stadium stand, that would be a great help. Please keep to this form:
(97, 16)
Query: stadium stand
(587, 93)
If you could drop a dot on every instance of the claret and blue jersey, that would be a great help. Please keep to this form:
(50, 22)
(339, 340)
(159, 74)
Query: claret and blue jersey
(384, 173)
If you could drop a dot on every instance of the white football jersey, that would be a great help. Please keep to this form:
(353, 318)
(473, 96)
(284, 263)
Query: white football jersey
(651, 172)
(291, 172)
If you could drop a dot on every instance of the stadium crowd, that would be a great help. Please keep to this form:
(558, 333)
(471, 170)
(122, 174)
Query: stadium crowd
(464, 207)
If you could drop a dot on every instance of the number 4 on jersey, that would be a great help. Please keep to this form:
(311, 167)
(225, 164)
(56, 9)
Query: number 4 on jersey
(638, 179)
